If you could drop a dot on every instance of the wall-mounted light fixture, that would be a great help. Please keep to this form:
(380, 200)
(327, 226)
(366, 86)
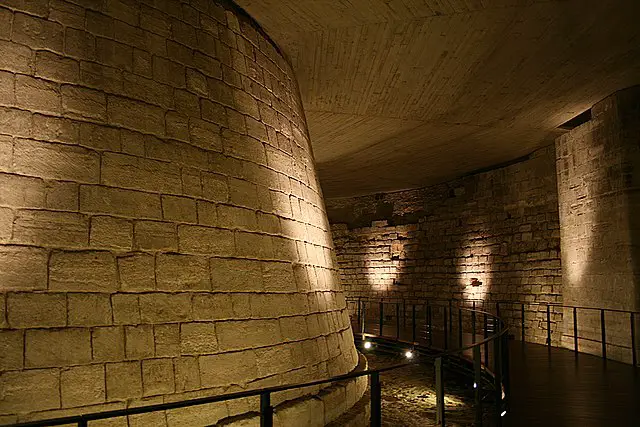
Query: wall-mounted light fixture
(475, 282)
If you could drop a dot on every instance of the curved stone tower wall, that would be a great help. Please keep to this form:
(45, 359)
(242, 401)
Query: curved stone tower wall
(162, 231)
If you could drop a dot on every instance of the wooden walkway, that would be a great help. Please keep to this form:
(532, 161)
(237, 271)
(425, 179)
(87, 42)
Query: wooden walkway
(555, 387)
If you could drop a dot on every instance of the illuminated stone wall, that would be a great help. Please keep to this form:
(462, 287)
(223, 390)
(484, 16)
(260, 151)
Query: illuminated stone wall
(598, 181)
(500, 227)
(162, 231)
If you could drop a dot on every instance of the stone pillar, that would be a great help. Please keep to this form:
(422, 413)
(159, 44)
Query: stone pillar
(162, 231)
(598, 166)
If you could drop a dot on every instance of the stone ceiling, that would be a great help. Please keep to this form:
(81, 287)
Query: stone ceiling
(405, 93)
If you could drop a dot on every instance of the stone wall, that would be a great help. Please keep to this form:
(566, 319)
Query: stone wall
(500, 227)
(598, 181)
(162, 231)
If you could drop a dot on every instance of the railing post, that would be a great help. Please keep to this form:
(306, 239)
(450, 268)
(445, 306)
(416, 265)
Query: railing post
(381, 316)
(575, 329)
(266, 410)
(497, 360)
(82, 423)
(603, 329)
(397, 320)
(429, 324)
(486, 344)
(459, 327)
(404, 313)
(413, 323)
(548, 325)
(446, 335)
(473, 324)
(634, 354)
(439, 393)
(477, 378)
(364, 317)
(376, 407)
(450, 316)
(522, 337)
(506, 375)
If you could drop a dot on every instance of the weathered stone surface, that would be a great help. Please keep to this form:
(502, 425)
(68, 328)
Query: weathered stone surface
(139, 216)
(157, 377)
(82, 271)
(82, 385)
(107, 344)
(228, 368)
(137, 272)
(25, 391)
(89, 309)
(124, 380)
(61, 347)
(25, 310)
(198, 338)
(23, 268)
(11, 350)
(182, 272)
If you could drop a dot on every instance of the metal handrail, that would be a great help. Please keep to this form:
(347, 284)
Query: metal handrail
(266, 410)
(602, 340)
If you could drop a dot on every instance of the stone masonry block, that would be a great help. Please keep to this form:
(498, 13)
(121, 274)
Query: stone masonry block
(135, 115)
(23, 268)
(236, 275)
(31, 310)
(198, 338)
(167, 339)
(126, 309)
(55, 67)
(182, 272)
(152, 235)
(187, 373)
(57, 347)
(89, 309)
(205, 135)
(157, 377)
(11, 350)
(124, 380)
(62, 195)
(80, 102)
(215, 187)
(139, 341)
(133, 204)
(205, 240)
(29, 390)
(180, 209)
(49, 228)
(56, 161)
(82, 385)
(137, 272)
(37, 95)
(110, 232)
(107, 344)
(273, 360)
(18, 58)
(161, 307)
(82, 271)
(121, 170)
(228, 368)
(37, 33)
(233, 335)
(208, 306)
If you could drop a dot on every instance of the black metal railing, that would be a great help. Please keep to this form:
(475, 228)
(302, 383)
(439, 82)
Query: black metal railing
(609, 333)
(449, 334)
(483, 356)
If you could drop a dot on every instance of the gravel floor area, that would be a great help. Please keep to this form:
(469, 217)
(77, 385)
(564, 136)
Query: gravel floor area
(409, 398)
